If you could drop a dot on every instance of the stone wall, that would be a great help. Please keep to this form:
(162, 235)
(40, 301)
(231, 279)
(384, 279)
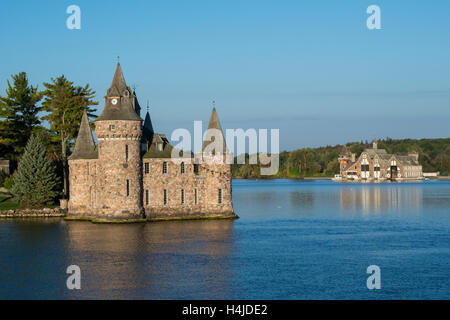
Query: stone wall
(24, 213)
(83, 186)
(207, 182)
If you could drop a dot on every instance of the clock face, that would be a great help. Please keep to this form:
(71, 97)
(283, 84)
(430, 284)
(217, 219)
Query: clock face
(114, 101)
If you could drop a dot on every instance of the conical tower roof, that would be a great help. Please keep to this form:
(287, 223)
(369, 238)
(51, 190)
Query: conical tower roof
(119, 100)
(148, 126)
(118, 84)
(214, 123)
(84, 146)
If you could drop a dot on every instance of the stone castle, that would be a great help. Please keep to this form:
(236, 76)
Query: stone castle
(375, 164)
(130, 174)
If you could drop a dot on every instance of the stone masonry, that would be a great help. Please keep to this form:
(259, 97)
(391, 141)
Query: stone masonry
(130, 175)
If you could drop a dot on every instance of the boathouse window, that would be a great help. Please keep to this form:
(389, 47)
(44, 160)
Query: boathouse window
(164, 167)
(182, 196)
(146, 168)
(128, 188)
(165, 196)
(182, 168)
(146, 198)
(126, 152)
(220, 196)
(196, 196)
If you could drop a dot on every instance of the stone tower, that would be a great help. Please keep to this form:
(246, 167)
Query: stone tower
(82, 163)
(217, 170)
(119, 134)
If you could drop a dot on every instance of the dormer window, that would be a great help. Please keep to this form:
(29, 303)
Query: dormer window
(112, 127)
(159, 146)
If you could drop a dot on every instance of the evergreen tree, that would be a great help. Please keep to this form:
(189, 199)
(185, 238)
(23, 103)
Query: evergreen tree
(18, 115)
(65, 104)
(36, 181)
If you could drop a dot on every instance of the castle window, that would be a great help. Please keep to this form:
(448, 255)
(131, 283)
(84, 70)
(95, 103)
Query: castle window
(126, 152)
(112, 127)
(164, 167)
(196, 196)
(128, 188)
(220, 196)
(147, 168)
(146, 198)
(165, 196)
(182, 196)
(196, 168)
(182, 168)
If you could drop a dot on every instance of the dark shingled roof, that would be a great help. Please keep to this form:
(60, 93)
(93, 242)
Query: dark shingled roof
(154, 152)
(125, 107)
(84, 146)
(214, 123)
(148, 128)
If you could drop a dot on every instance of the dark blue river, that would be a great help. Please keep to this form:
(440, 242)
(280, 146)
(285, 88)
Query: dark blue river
(294, 240)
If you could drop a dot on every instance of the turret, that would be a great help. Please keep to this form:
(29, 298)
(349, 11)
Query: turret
(119, 134)
(218, 172)
(82, 163)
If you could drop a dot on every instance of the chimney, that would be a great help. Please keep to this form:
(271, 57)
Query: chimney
(374, 144)
(414, 154)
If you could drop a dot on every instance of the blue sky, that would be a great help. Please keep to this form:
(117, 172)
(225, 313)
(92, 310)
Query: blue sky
(310, 68)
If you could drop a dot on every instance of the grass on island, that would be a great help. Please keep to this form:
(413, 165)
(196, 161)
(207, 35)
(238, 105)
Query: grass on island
(7, 202)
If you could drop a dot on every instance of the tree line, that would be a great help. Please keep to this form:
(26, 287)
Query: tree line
(434, 155)
(47, 118)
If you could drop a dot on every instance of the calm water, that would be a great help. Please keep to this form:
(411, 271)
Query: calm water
(295, 240)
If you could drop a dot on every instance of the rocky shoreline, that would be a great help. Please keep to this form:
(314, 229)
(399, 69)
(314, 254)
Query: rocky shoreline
(33, 213)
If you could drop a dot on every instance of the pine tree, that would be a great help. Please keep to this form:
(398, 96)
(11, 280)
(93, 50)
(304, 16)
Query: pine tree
(36, 181)
(65, 104)
(18, 114)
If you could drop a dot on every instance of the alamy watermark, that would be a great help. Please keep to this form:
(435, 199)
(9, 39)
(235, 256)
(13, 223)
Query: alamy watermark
(374, 20)
(74, 280)
(374, 280)
(214, 147)
(74, 20)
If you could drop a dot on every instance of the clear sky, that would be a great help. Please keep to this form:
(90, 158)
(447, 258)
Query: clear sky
(310, 68)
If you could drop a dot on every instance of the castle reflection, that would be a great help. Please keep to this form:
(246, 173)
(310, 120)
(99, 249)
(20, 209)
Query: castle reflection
(369, 199)
(154, 260)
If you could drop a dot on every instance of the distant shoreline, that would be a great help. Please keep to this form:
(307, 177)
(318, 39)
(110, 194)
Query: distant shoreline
(317, 178)
(274, 178)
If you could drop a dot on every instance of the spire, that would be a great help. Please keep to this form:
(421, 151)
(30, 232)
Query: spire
(84, 146)
(214, 123)
(148, 126)
(120, 100)
(118, 84)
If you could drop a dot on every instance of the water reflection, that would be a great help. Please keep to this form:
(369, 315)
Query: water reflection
(159, 260)
(381, 198)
